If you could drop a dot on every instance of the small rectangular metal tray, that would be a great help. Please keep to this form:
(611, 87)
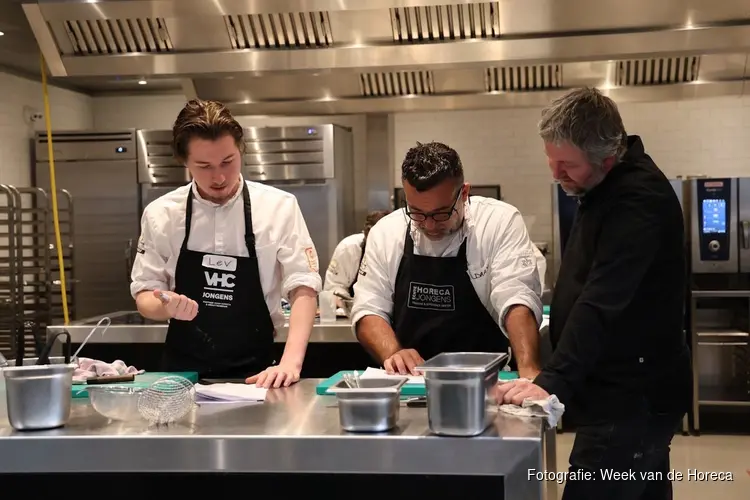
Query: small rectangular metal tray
(475, 362)
(388, 385)
(372, 407)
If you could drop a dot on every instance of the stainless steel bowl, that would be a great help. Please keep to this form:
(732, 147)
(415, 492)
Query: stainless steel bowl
(116, 402)
(38, 397)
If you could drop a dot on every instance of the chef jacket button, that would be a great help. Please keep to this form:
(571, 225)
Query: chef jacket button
(640, 360)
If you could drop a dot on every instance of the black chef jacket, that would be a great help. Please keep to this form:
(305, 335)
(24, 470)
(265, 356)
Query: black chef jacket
(617, 313)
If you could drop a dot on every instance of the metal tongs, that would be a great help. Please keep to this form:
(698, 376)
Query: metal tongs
(352, 380)
(105, 319)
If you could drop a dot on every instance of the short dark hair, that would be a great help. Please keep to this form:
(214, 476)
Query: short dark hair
(208, 120)
(427, 165)
(372, 219)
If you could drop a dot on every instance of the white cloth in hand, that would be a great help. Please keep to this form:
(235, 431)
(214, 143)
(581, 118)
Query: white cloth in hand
(231, 392)
(550, 408)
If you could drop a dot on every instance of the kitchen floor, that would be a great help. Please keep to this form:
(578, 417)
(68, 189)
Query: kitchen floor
(706, 453)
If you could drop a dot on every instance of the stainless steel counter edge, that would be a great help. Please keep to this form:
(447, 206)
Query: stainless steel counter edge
(340, 331)
(294, 431)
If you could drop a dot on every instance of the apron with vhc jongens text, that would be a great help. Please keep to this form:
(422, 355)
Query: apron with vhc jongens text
(436, 307)
(233, 334)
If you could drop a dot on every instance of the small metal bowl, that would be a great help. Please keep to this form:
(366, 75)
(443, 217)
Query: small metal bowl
(115, 402)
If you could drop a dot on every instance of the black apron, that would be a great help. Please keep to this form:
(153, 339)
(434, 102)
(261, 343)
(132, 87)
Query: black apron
(436, 308)
(233, 334)
(356, 275)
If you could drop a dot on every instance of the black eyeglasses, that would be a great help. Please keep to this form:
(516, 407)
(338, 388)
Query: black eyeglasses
(436, 216)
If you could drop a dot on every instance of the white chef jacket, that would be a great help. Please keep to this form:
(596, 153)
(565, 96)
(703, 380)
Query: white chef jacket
(287, 258)
(502, 261)
(344, 264)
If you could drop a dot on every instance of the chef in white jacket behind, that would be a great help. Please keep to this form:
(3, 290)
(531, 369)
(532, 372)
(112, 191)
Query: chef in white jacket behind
(216, 256)
(448, 273)
(343, 269)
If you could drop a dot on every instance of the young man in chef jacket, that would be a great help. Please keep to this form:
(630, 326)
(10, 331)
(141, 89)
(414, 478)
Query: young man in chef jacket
(216, 256)
(347, 257)
(447, 273)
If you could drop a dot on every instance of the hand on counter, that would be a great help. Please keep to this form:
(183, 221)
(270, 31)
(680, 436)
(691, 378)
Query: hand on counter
(516, 391)
(178, 306)
(280, 375)
(403, 362)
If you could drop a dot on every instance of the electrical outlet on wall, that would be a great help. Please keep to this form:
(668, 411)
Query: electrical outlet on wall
(32, 116)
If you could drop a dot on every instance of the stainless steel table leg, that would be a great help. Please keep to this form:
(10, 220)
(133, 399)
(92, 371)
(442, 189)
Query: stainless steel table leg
(521, 484)
(550, 461)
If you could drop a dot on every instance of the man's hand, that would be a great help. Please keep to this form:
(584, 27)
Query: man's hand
(178, 306)
(281, 375)
(403, 362)
(516, 391)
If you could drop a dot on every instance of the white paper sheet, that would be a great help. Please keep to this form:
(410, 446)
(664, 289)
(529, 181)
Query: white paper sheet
(378, 373)
(231, 392)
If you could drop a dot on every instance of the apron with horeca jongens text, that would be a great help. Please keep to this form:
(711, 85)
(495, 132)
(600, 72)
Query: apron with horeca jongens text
(436, 307)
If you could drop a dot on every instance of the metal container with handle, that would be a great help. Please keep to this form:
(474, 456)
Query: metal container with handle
(38, 390)
(458, 386)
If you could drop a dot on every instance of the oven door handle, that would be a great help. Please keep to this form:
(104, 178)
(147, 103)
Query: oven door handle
(745, 230)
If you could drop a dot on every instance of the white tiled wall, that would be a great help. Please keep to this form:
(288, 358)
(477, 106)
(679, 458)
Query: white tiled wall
(18, 97)
(710, 136)
(152, 111)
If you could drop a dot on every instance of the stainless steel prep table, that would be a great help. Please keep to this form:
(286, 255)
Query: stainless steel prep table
(294, 431)
(140, 342)
(130, 327)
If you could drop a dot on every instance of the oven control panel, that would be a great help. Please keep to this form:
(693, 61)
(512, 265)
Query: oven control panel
(714, 201)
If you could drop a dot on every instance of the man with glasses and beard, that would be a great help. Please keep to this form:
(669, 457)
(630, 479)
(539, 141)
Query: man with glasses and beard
(448, 273)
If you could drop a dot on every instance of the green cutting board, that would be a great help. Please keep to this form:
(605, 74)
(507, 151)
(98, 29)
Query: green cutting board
(142, 380)
(415, 390)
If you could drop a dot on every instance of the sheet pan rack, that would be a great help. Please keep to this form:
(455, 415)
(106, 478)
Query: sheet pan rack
(30, 293)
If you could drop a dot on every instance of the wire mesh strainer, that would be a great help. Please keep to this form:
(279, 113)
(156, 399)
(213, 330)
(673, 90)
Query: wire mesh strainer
(167, 400)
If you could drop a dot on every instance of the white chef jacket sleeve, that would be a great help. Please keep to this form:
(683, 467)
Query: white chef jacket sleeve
(373, 291)
(541, 264)
(149, 266)
(514, 273)
(297, 254)
(342, 269)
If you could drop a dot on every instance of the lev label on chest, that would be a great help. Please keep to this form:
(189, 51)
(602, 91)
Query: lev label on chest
(431, 297)
(221, 262)
(218, 291)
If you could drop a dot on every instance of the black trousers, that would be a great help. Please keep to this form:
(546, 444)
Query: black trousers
(626, 459)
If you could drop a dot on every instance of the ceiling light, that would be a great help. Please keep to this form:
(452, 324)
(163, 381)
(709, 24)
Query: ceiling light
(142, 82)
(1, 33)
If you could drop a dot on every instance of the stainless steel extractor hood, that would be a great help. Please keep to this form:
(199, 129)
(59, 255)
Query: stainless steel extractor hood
(351, 56)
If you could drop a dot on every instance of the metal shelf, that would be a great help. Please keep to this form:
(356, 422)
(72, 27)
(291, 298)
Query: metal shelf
(724, 396)
(720, 294)
(28, 294)
(721, 354)
(722, 333)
